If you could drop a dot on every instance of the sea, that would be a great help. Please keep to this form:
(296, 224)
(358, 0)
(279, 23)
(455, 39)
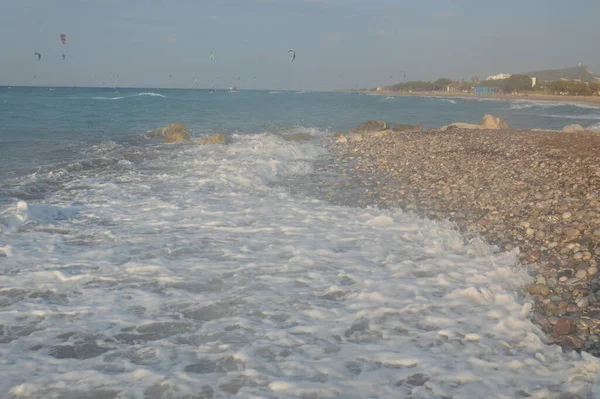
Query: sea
(130, 268)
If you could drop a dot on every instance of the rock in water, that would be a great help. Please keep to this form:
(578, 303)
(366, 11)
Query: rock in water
(491, 122)
(460, 125)
(172, 133)
(370, 126)
(573, 128)
(299, 137)
(564, 326)
(218, 138)
(407, 128)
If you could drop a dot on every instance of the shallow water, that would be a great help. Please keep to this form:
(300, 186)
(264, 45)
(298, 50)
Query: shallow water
(137, 269)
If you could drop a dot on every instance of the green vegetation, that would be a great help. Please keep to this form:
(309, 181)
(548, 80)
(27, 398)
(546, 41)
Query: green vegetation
(574, 88)
(439, 85)
(513, 85)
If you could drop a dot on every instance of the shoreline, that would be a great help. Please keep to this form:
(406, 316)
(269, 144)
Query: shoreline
(535, 97)
(535, 190)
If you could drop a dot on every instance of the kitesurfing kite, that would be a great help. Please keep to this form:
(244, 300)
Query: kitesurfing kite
(63, 38)
(211, 56)
(38, 55)
(293, 53)
(64, 56)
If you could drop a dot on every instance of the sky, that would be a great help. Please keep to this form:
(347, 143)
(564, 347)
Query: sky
(340, 44)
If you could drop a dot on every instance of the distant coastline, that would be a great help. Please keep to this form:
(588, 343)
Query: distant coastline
(542, 97)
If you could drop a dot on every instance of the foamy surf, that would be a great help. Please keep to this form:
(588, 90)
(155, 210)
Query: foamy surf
(198, 271)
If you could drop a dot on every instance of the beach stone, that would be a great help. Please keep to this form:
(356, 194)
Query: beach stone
(218, 138)
(539, 279)
(573, 281)
(564, 326)
(583, 302)
(571, 342)
(370, 126)
(581, 274)
(573, 128)
(538, 289)
(566, 215)
(491, 122)
(592, 270)
(531, 257)
(172, 133)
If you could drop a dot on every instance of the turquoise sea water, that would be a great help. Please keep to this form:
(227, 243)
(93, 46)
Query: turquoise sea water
(130, 268)
(39, 126)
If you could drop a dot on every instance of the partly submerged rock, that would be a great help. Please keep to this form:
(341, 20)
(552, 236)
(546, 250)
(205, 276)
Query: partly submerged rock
(573, 128)
(172, 133)
(370, 126)
(487, 122)
(460, 125)
(218, 138)
(407, 128)
(491, 122)
(299, 137)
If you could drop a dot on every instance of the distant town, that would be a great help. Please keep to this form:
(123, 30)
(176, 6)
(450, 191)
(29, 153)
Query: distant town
(573, 81)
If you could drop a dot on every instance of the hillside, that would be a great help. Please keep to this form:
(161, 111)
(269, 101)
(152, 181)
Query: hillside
(572, 73)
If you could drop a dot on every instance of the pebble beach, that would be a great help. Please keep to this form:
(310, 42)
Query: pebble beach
(537, 192)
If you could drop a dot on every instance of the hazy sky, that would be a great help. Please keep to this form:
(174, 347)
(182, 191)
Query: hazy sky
(339, 43)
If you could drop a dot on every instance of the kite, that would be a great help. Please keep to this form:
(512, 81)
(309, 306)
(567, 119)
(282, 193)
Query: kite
(211, 56)
(293, 53)
(64, 56)
(38, 55)
(63, 38)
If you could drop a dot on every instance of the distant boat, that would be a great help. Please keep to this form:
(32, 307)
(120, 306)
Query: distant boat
(233, 89)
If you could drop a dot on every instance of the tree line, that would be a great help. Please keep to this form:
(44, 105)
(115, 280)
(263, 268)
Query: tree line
(514, 84)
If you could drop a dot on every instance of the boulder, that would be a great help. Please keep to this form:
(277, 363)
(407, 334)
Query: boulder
(407, 128)
(172, 133)
(573, 128)
(299, 137)
(218, 138)
(370, 126)
(491, 122)
(460, 125)
(564, 326)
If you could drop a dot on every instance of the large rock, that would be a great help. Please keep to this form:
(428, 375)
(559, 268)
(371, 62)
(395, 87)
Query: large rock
(172, 133)
(299, 137)
(564, 326)
(460, 125)
(407, 128)
(487, 122)
(491, 122)
(218, 138)
(370, 126)
(573, 128)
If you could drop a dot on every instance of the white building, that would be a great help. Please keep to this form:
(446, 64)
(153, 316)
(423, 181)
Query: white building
(499, 76)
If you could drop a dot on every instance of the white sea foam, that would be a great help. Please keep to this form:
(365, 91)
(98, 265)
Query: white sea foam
(545, 104)
(588, 116)
(595, 127)
(150, 94)
(202, 274)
